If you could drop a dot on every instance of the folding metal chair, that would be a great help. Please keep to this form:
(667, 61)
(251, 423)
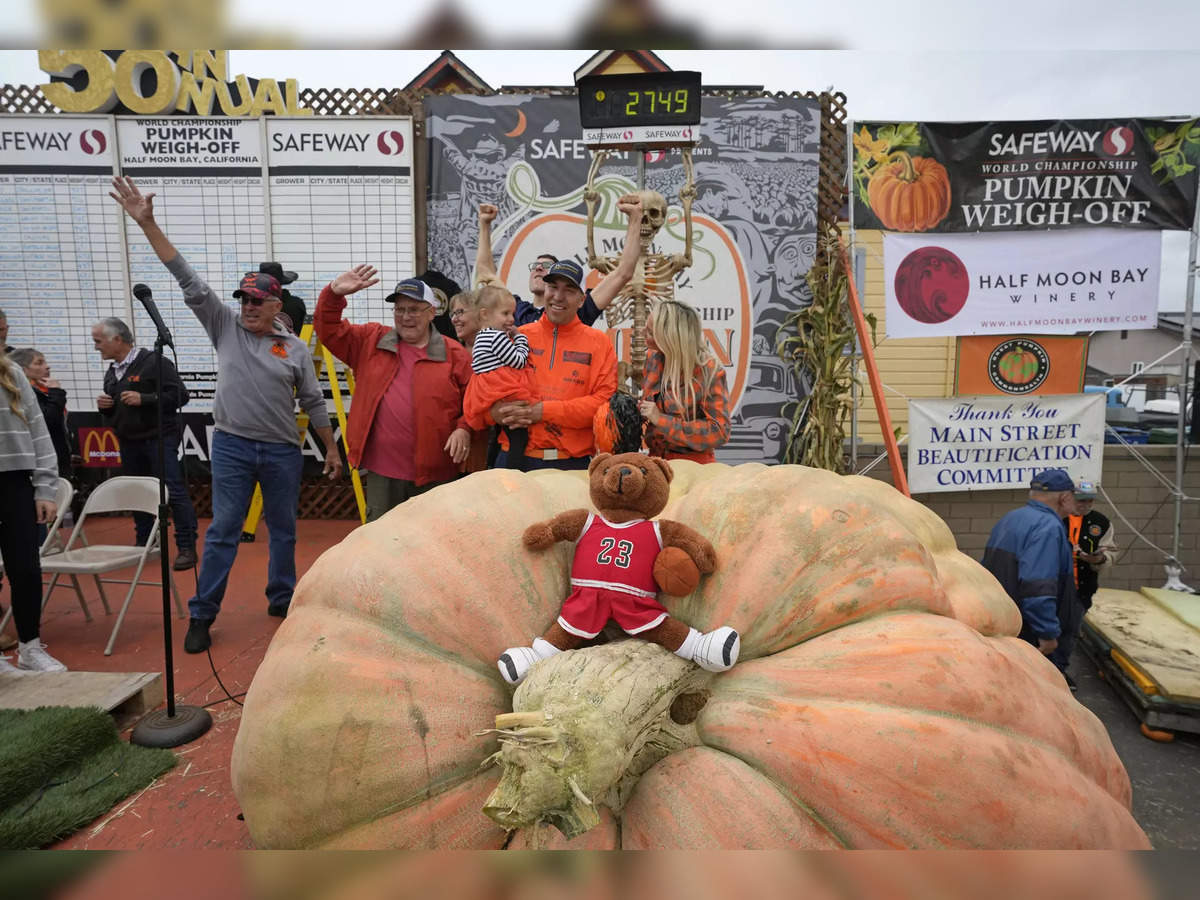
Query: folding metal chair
(124, 493)
(63, 492)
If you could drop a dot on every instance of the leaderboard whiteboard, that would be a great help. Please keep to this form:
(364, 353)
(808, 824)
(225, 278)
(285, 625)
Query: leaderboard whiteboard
(317, 195)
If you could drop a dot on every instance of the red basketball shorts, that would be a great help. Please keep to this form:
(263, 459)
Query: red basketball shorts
(587, 610)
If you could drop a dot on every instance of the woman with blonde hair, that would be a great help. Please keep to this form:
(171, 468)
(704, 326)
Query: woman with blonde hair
(28, 474)
(684, 399)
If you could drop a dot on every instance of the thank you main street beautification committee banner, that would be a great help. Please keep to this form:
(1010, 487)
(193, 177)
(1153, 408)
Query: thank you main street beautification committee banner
(1003, 176)
(754, 222)
(999, 443)
(1101, 279)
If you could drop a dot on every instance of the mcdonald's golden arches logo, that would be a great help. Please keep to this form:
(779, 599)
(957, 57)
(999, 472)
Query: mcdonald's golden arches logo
(100, 448)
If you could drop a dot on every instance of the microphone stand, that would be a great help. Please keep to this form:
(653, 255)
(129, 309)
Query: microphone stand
(176, 724)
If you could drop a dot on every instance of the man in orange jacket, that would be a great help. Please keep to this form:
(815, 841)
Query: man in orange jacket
(575, 368)
(406, 429)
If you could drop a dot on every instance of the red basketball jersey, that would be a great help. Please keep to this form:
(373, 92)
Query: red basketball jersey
(617, 557)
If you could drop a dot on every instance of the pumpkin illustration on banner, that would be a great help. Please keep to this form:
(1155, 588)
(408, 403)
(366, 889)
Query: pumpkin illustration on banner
(881, 700)
(1018, 366)
(906, 192)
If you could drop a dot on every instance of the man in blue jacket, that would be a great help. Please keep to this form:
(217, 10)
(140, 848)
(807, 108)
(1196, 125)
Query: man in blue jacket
(1029, 554)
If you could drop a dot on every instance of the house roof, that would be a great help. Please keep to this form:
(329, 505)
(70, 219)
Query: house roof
(611, 61)
(447, 67)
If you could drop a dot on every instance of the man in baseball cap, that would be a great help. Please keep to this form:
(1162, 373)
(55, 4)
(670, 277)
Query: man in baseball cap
(293, 306)
(262, 371)
(1091, 537)
(1028, 553)
(406, 430)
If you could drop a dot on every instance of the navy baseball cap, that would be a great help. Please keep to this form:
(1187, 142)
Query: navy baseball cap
(1052, 480)
(413, 289)
(568, 269)
(260, 285)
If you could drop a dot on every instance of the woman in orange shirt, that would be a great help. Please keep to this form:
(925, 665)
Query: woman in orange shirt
(684, 399)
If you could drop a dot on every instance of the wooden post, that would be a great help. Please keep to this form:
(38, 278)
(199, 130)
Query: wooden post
(899, 478)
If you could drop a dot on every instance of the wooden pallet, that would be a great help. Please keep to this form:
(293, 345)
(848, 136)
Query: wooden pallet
(127, 695)
(1150, 655)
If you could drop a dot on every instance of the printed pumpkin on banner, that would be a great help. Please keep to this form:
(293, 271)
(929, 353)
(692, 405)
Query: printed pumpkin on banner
(1020, 365)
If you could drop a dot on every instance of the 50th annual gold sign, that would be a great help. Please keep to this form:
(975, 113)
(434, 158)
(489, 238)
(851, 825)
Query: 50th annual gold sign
(195, 81)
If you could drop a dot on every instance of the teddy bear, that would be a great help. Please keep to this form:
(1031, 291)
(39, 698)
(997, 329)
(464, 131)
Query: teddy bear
(623, 556)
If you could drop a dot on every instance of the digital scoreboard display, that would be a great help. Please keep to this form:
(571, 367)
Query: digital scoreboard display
(642, 99)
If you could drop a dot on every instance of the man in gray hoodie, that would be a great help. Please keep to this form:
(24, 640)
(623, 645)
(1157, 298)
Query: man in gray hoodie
(261, 369)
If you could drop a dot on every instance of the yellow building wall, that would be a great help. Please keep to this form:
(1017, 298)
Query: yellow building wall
(912, 367)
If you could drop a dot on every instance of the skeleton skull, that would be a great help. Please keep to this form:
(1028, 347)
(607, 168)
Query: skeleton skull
(654, 213)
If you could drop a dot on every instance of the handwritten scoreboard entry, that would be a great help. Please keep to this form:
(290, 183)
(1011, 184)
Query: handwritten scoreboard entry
(316, 195)
(60, 244)
(342, 194)
(207, 175)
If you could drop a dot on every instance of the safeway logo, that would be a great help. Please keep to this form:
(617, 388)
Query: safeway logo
(97, 144)
(1118, 141)
(387, 139)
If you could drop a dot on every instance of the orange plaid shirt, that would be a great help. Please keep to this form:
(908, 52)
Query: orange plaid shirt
(694, 433)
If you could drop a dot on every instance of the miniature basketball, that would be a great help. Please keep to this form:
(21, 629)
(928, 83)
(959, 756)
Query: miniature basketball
(675, 573)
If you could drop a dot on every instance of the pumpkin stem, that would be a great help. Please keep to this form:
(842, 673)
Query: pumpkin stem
(909, 172)
(604, 716)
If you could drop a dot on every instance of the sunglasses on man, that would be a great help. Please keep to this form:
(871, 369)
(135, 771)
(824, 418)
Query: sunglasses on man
(542, 264)
(254, 301)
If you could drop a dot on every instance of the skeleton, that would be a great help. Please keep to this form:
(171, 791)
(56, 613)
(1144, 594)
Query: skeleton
(654, 278)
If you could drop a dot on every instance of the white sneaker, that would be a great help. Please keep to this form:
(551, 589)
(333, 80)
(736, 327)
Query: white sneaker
(716, 651)
(7, 669)
(515, 662)
(32, 657)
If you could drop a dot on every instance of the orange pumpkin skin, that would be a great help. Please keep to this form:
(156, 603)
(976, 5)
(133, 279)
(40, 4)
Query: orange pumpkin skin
(880, 701)
(910, 194)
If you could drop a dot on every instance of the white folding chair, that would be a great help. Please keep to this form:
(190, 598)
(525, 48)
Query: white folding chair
(124, 493)
(63, 492)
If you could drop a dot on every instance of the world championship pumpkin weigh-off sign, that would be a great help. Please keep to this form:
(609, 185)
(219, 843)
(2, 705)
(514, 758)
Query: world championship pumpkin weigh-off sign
(1005, 176)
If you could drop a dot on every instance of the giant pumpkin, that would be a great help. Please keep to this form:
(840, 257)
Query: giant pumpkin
(880, 701)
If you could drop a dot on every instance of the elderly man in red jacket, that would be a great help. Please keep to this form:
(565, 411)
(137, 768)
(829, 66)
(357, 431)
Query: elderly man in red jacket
(406, 428)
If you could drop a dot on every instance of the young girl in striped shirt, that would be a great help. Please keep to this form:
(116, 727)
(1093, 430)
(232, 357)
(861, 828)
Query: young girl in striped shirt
(499, 358)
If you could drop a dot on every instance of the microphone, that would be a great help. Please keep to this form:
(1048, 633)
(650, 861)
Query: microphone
(144, 294)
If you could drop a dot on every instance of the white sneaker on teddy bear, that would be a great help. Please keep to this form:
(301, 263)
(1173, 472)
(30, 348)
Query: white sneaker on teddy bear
(515, 662)
(716, 651)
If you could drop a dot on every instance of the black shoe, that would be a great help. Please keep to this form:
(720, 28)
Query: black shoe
(1071, 682)
(185, 559)
(198, 639)
(279, 612)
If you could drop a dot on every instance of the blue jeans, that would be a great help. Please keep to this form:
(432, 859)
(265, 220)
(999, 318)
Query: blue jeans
(141, 458)
(237, 464)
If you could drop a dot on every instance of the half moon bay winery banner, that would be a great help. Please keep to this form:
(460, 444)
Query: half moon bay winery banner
(1098, 279)
(753, 221)
(1004, 176)
(1000, 443)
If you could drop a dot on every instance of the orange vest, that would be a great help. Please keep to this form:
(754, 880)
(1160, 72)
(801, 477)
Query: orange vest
(1074, 527)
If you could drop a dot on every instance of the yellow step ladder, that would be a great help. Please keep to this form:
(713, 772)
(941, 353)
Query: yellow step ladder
(320, 354)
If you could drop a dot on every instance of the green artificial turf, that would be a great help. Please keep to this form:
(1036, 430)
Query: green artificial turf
(63, 767)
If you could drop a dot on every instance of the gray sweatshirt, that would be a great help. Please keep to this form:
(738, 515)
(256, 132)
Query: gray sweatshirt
(257, 384)
(25, 446)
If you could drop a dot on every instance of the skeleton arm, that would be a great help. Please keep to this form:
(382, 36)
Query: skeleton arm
(687, 194)
(618, 277)
(590, 198)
